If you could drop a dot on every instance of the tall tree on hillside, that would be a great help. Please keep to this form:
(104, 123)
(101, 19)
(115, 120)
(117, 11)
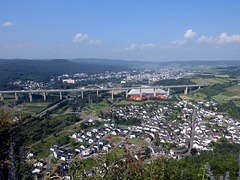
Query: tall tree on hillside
(5, 132)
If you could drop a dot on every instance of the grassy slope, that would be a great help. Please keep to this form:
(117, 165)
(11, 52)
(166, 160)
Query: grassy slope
(209, 81)
(230, 93)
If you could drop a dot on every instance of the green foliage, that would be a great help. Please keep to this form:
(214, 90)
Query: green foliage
(224, 158)
(42, 149)
(229, 107)
(42, 71)
(129, 121)
(179, 81)
(223, 139)
(147, 152)
(233, 71)
(83, 126)
(37, 128)
(216, 89)
(5, 132)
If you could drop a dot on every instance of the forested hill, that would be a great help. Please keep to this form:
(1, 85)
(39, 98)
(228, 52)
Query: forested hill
(42, 70)
(115, 62)
(136, 63)
(201, 63)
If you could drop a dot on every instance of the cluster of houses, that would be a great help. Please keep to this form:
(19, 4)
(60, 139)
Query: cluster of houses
(180, 131)
(61, 153)
(142, 112)
(153, 121)
(91, 141)
(208, 126)
(30, 84)
(131, 76)
(37, 167)
(211, 126)
(159, 74)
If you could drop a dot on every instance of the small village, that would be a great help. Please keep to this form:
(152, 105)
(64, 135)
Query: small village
(168, 130)
(146, 75)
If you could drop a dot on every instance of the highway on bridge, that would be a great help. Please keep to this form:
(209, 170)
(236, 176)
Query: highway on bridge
(105, 89)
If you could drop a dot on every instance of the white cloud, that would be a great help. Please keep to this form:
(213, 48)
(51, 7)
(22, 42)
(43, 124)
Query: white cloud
(92, 42)
(147, 45)
(132, 47)
(209, 39)
(189, 34)
(224, 38)
(178, 42)
(8, 23)
(83, 38)
(20, 45)
(80, 38)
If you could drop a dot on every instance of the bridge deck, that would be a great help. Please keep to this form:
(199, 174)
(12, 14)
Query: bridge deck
(104, 89)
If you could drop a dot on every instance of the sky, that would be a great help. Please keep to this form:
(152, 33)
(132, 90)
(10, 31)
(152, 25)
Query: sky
(147, 30)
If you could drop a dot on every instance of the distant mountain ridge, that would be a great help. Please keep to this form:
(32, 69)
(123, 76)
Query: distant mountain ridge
(43, 70)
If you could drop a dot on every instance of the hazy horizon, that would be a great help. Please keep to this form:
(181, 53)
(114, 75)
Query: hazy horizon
(133, 31)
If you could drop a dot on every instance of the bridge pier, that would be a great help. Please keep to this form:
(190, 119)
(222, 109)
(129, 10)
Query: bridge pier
(82, 94)
(60, 95)
(126, 93)
(186, 90)
(112, 94)
(140, 93)
(154, 92)
(30, 97)
(97, 92)
(16, 96)
(199, 87)
(1, 96)
(44, 96)
(168, 91)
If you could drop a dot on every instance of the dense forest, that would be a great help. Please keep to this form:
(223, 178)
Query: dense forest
(180, 81)
(167, 82)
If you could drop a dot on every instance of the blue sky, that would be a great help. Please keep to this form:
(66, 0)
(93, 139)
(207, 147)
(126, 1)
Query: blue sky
(128, 29)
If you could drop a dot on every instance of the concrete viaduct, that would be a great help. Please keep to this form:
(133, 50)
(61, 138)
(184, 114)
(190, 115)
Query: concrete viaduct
(126, 89)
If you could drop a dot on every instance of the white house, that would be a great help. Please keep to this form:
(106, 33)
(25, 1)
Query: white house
(87, 152)
(106, 148)
(133, 136)
(92, 140)
(90, 134)
(84, 146)
(36, 171)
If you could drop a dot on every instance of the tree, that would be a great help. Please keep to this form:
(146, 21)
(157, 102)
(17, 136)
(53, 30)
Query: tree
(193, 151)
(101, 114)
(148, 152)
(82, 126)
(223, 139)
(5, 132)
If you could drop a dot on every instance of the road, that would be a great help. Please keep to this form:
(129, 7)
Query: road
(177, 98)
(63, 131)
(194, 116)
(104, 89)
(124, 139)
(80, 157)
(50, 108)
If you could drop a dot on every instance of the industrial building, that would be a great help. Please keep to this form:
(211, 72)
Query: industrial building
(137, 94)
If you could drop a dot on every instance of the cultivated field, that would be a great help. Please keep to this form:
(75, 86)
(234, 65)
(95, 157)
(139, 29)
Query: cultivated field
(209, 81)
(230, 93)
